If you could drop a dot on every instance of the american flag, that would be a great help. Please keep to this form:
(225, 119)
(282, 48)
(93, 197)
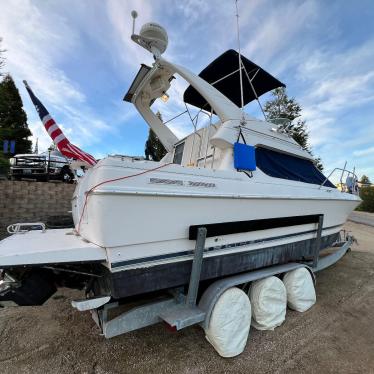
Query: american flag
(63, 144)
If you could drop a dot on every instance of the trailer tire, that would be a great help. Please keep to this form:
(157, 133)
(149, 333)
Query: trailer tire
(66, 175)
(229, 323)
(35, 289)
(269, 303)
(301, 294)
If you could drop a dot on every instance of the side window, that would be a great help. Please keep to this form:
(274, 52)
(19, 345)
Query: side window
(178, 153)
(285, 166)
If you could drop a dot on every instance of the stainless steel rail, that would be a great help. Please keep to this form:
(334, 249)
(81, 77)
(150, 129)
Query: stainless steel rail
(343, 170)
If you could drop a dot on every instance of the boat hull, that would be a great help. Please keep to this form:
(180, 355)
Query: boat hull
(136, 281)
(143, 214)
(146, 230)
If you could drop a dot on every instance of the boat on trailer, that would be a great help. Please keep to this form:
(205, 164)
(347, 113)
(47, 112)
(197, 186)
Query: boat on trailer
(234, 201)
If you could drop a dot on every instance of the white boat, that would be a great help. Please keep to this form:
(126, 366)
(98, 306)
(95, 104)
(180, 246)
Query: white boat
(256, 191)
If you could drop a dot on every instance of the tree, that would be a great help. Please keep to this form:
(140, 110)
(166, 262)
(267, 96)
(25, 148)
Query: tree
(154, 150)
(13, 119)
(4, 162)
(365, 179)
(283, 107)
(367, 196)
(4, 165)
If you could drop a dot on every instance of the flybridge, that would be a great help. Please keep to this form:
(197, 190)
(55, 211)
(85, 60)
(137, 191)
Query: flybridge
(215, 91)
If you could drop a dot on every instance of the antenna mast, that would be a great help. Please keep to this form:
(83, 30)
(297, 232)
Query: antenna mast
(134, 15)
(240, 60)
(242, 67)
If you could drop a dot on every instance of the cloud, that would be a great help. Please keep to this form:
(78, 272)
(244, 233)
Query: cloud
(119, 15)
(364, 152)
(340, 84)
(36, 46)
(79, 59)
(273, 33)
(44, 141)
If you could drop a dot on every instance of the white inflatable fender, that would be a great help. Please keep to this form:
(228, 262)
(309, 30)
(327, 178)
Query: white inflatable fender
(301, 294)
(269, 303)
(229, 323)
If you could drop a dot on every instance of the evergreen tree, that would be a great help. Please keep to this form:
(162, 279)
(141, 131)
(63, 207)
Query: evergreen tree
(365, 179)
(13, 119)
(280, 106)
(4, 165)
(4, 162)
(154, 150)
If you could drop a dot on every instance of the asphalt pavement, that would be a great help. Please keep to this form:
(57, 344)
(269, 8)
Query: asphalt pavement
(362, 217)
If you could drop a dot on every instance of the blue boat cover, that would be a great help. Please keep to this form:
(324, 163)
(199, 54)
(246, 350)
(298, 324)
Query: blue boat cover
(280, 165)
(244, 157)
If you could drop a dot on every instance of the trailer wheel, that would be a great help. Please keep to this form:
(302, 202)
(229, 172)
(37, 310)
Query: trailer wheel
(66, 175)
(35, 288)
(269, 303)
(301, 294)
(229, 323)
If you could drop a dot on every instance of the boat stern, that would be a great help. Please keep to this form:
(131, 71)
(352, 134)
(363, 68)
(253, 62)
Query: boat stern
(34, 264)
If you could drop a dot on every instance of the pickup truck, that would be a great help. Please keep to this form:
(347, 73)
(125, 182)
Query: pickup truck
(45, 166)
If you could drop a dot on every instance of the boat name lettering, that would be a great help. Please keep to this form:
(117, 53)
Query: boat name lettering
(177, 182)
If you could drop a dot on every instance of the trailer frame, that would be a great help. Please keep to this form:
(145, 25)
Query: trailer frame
(180, 310)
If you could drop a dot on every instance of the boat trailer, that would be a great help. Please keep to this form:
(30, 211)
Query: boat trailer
(180, 310)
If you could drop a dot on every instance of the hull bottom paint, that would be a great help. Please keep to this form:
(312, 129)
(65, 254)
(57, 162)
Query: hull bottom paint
(138, 281)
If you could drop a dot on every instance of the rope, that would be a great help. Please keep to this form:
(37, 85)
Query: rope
(113, 180)
(241, 135)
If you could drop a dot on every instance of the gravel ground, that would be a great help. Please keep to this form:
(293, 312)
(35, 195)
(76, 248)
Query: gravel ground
(335, 336)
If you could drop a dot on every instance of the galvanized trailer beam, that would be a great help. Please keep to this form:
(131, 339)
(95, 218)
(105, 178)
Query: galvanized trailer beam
(196, 267)
(134, 319)
(188, 314)
(331, 259)
(318, 241)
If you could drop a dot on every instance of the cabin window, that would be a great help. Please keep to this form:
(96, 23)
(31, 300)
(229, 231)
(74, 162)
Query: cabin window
(178, 153)
(280, 165)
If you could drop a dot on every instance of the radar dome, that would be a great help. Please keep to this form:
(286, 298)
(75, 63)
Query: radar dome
(155, 36)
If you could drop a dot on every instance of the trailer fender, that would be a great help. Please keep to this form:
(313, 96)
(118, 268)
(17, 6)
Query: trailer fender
(216, 289)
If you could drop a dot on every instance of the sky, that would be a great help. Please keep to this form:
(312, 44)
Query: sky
(78, 58)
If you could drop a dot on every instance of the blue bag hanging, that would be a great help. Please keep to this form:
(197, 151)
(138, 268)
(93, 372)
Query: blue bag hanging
(244, 155)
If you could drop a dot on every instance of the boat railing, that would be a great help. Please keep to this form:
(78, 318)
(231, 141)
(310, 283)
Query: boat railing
(344, 186)
(283, 124)
(21, 228)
